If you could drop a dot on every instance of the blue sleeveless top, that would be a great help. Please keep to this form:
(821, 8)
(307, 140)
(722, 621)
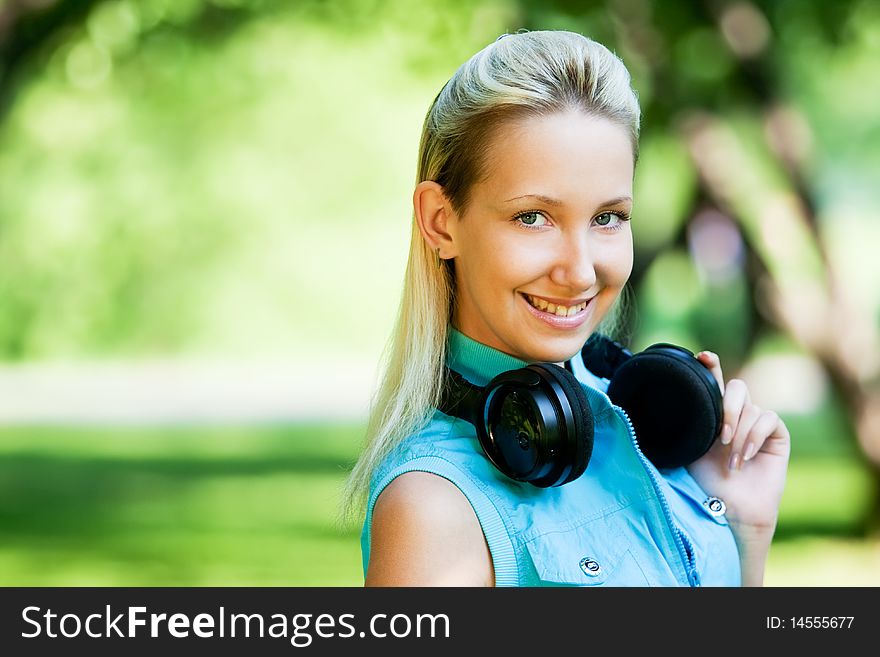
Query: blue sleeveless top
(622, 523)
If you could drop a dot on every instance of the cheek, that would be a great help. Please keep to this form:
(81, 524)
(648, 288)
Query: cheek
(617, 262)
(507, 263)
(526, 257)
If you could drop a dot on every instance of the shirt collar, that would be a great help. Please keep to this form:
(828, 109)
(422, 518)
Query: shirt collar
(476, 362)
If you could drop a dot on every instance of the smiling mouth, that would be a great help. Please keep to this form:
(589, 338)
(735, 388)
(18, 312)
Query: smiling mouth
(555, 309)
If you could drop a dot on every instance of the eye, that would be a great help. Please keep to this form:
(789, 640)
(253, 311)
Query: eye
(612, 220)
(531, 219)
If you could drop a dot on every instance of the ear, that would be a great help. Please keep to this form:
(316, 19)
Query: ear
(436, 218)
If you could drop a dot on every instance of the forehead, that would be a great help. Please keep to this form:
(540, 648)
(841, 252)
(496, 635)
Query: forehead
(571, 155)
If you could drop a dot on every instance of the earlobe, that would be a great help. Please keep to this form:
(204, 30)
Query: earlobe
(435, 218)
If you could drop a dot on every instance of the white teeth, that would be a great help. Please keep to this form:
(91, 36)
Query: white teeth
(554, 309)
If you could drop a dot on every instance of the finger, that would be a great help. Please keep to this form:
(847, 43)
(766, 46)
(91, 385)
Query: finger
(713, 363)
(735, 398)
(748, 417)
(766, 424)
(778, 442)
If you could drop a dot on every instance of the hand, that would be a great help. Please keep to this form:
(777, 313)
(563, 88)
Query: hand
(747, 463)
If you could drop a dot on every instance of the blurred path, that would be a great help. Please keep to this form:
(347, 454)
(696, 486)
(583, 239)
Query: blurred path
(178, 391)
(183, 391)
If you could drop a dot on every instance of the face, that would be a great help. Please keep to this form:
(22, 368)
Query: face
(545, 246)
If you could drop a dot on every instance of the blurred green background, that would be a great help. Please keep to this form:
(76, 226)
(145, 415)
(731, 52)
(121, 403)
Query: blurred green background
(205, 205)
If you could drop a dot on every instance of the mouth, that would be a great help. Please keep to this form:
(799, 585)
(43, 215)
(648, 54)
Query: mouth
(568, 309)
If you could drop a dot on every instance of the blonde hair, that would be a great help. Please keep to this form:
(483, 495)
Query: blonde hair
(519, 75)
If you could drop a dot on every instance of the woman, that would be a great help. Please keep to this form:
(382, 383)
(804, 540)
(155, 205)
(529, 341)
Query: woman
(521, 246)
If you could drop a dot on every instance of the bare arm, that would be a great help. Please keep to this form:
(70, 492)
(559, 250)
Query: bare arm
(753, 546)
(425, 533)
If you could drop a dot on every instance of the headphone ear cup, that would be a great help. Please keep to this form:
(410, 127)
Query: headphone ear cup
(574, 446)
(535, 425)
(673, 401)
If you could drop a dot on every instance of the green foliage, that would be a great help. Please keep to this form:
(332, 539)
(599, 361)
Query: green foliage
(174, 180)
(222, 176)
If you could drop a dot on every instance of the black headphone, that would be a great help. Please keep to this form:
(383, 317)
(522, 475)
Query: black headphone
(535, 424)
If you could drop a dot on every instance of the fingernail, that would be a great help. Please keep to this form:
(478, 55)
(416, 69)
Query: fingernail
(725, 434)
(750, 452)
(734, 461)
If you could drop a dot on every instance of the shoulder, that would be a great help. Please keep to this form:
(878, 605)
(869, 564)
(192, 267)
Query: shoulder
(425, 533)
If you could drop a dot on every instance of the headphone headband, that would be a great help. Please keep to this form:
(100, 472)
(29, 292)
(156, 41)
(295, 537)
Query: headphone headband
(461, 398)
(603, 356)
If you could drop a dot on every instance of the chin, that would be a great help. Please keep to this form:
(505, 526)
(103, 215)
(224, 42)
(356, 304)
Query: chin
(557, 352)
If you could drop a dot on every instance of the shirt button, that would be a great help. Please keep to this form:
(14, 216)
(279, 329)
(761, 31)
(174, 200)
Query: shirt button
(715, 505)
(591, 567)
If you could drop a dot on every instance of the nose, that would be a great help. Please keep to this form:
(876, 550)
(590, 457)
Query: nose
(574, 268)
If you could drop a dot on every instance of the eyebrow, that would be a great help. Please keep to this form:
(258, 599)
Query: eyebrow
(556, 202)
